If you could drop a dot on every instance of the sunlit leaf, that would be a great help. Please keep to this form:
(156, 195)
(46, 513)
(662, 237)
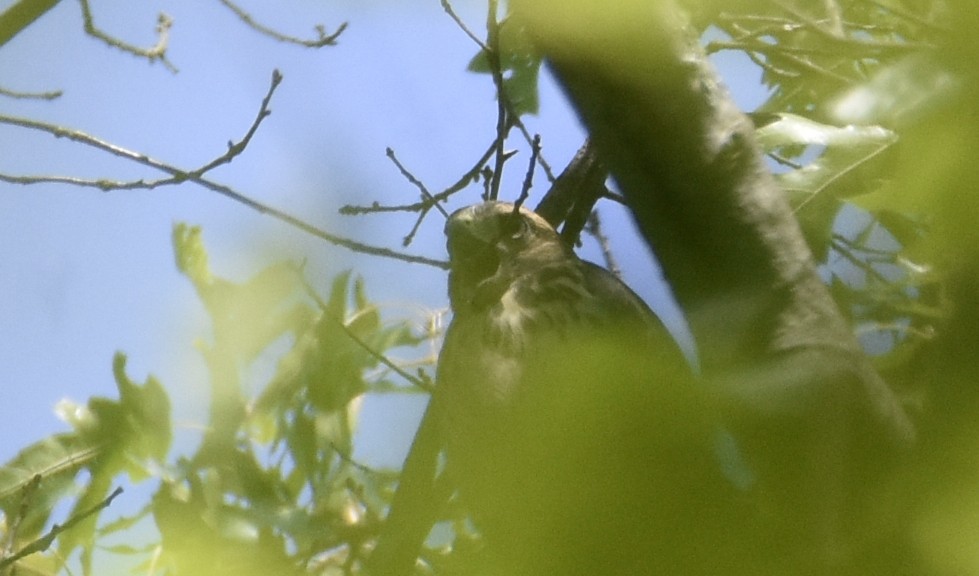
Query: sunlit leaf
(847, 161)
(191, 256)
(520, 66)
(146, 412)
(40, 475)
(848, 153)
(82, 534)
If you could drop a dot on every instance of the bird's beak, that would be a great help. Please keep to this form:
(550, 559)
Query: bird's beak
(471, 246)
(465, 238)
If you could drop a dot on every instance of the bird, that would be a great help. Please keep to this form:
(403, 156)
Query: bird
(571, 422)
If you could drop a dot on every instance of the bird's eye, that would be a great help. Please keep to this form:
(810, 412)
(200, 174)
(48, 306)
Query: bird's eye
(514, 226)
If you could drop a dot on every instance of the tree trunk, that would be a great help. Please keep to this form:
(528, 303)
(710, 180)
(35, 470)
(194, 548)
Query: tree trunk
(815, 422)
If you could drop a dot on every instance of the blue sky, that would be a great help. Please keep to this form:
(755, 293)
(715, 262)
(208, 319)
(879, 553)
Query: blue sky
(85, 273)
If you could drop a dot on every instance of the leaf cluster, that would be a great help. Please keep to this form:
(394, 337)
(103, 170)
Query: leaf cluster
(273, 486)
(846, 79)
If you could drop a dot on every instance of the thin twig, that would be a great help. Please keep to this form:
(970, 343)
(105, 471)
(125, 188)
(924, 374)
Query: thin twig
(323, 38)
(871, 48)
(427, 199)
(44, 542)
(530, 140)
(154, 53)
(357, 340)
(594, 227)
(502, 126)
(907, 15)
(442, 196)
(234, 149)
(27, 493)
(426, 195)
(196, 176)
(528, 180)
(462, 25)
(782, 160)
(828, 31)
(51, 95)
(506, 114)
(344, 456)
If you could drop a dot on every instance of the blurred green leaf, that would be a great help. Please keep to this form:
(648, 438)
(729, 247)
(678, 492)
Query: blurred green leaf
(40, 476)
(834, 163)
(850, 155)
(21, 14)
(519, 64)
(906, 229)
(191, 256)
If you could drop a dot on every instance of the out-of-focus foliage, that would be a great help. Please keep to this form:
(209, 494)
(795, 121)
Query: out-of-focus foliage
(871, 127)
(128, 436)
(272, 488)
(882, 94)
(20, 15)
(829, 173)
(851, 85)
(812, 52)
(518, 63)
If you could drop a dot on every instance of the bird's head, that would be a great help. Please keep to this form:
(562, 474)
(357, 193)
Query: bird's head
(489, 244)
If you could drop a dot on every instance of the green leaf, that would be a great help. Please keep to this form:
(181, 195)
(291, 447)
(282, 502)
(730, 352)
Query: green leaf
(246, 317)
(519, 65)
(336, 305)
(301, 439)
(20, 15)
(851, 156)
(124, 523)
(188, 248)
(146, 412)
(848, 162)
(898, 93)
(40, 475)
(904, 228)
(365, 322)
(82, 534)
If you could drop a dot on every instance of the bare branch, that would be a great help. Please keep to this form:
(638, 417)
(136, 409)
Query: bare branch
(196, 176)
(426, 195)
(263, 112)
(461, 183)
(234, 149)
(530, 140)
(502, 126)
(44, 542)
(50, 95)
(462, 25)
(528, 180)
(154, 53)
(506, 117)
(583, 180)
(323, 39)
(594, 227)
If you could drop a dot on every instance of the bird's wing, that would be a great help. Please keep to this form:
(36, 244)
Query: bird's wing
(570, 414)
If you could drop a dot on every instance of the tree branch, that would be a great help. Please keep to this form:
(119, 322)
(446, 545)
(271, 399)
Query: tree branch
(48, 95)
(153, 53)
(787, 374)
(460, 184)
(323, 39)
(178, 176)
(44, 542)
